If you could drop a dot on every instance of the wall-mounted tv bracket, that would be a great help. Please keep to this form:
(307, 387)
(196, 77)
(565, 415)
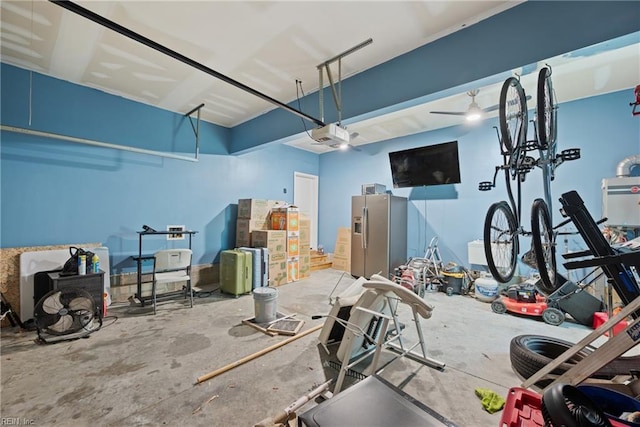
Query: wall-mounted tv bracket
(86, 13)
(196, 127)
(337, 93)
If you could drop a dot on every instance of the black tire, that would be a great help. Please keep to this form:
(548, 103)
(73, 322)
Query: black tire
(546, 110)
(544, 248)
(566, 405)
(530, 353)
(553, 316)
(498, 307)
(513, 122)
(501, 241)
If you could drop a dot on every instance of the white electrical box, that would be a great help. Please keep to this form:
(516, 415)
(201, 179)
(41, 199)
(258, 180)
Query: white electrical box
(621, 201)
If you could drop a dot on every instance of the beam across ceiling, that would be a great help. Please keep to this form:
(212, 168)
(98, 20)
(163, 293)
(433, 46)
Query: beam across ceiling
(101, 20)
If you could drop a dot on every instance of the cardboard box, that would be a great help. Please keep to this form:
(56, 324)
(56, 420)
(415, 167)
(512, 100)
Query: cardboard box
(244, 227)
(304, 263)
(256, 209)
(278, 273)
(293, 269)
(293, 245)
(342, 248)
(342, 264)
(243, 238)
(274, 240)
(252, 224)
(344, 235)
(285, 218)
(342, 251)
(304, 224)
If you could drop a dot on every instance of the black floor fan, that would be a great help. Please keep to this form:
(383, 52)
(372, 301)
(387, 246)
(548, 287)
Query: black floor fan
(66, 314)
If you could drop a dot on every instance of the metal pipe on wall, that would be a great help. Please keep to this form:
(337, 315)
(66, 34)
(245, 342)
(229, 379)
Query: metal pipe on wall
(95, 143)
(624, 167)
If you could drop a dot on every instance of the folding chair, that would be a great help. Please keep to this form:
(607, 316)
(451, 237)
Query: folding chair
(170, 266)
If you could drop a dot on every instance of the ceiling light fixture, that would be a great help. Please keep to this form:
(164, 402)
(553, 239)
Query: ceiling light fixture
(474, 113)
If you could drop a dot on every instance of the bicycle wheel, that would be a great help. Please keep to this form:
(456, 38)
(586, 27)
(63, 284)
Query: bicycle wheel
(544, 249)
(501, 241)
(545, 110)
(513, 115)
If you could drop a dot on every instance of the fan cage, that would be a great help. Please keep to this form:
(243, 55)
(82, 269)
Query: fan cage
(65, 311)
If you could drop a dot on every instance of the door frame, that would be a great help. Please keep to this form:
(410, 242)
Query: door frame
(313, 211)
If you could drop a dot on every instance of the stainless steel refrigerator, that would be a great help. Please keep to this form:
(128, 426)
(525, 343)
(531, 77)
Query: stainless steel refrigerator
(378, 234)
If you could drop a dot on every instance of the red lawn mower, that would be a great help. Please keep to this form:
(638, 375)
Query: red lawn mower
(525, 299)
(568, 298)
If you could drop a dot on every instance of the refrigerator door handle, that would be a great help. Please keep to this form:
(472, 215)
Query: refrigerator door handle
(365, 227)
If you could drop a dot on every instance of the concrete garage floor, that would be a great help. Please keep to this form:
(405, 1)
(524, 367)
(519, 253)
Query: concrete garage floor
(141, 369)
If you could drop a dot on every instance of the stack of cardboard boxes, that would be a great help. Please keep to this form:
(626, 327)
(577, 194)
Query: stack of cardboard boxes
(280, 229)
(305, 246)
(253, 214)
(276, 243)
(286, 220)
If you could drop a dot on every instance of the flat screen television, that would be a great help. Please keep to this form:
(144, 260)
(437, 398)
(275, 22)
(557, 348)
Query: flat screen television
(430, 165)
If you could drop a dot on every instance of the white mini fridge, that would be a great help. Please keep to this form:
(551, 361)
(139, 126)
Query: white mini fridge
(378, 234)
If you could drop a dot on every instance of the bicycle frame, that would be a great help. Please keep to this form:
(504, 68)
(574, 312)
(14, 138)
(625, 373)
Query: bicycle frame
(503, 223)
(507, 165)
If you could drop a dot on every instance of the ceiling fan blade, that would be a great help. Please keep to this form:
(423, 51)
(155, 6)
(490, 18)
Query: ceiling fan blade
(450, 113)
(492, 108)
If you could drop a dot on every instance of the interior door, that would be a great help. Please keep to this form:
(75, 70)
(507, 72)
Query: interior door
(305, 197)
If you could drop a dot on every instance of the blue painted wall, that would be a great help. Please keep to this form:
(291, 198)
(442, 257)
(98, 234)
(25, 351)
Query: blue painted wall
(56, 192)
(602, 127)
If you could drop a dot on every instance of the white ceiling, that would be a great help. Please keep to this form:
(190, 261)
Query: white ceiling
(267, 45)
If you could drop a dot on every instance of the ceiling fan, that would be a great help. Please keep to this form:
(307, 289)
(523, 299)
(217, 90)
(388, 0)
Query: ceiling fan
(474, 112)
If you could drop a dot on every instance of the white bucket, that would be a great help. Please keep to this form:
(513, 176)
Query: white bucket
(266, 304)
(486, 289)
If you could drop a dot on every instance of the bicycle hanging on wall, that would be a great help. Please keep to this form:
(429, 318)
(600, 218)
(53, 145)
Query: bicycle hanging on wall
(503, 222)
